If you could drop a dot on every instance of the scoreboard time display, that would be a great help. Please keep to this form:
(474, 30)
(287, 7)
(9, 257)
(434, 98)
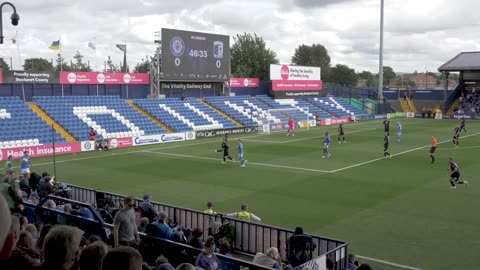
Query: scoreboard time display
(195, 56)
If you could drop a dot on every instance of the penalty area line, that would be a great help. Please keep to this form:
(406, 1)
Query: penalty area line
(398, 154)
(388, 263)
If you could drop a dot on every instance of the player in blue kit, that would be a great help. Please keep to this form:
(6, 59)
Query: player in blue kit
(399, 131)
(326, 143)
(240, 153)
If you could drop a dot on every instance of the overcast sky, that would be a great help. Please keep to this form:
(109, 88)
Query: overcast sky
(419, 34)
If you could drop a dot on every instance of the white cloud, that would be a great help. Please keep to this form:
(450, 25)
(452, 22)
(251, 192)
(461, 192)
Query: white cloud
(418, 34)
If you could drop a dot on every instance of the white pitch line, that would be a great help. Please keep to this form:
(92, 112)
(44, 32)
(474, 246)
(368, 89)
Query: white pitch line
(250, 163)
(398, 154)
(388, 263)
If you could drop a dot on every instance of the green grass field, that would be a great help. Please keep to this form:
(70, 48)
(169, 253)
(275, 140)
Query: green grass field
(399, 210)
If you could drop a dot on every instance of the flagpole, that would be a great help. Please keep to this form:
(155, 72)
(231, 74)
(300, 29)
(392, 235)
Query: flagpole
(61, 61)
(18, 50)
(95, 45)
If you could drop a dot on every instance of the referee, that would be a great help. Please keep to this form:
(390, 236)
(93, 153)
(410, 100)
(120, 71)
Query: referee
(386, 142)
(455, 175)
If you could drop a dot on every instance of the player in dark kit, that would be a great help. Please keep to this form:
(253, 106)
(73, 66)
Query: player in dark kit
(386, 142)
(225, 150)
(455, 176)
(341, 133)
(456, 136)
(462, 125)
(386, 126)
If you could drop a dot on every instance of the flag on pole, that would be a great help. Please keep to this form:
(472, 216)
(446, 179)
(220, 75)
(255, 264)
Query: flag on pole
(55, 45)
(91, 45)
(14, 41)
(122, 47)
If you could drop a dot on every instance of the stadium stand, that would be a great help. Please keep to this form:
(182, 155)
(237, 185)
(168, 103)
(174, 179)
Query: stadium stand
(247, 110)
(336, 106)
(184, 115)
(24, 127)
(300, 104)
(109, 116)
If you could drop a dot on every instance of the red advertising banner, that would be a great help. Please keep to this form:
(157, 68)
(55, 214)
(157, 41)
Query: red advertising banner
(296, 85)
(1, 76)
(75, 77)
(334, 121)
(244, 82)
(120, 142)
(40, 150)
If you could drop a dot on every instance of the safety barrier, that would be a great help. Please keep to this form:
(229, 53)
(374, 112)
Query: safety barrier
(250, 237)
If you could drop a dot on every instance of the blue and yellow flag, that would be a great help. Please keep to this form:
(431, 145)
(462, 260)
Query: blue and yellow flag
(55, 45)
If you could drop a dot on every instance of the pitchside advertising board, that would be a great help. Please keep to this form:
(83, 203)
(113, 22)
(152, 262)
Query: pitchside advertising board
(295, 81)
(30, 77)
(41, 150)
(194, 56)
(222, 132)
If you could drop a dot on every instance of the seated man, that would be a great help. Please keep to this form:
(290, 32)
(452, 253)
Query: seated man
(103, 145)
(299, 248)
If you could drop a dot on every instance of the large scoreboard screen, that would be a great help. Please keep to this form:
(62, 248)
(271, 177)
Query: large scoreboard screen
(194, 56)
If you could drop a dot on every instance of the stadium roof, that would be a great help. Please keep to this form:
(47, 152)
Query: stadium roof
(465, 61)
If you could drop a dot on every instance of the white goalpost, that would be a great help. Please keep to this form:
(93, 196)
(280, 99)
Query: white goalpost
(276, 120)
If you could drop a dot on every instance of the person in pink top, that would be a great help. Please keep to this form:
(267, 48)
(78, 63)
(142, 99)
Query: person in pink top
(291, 127)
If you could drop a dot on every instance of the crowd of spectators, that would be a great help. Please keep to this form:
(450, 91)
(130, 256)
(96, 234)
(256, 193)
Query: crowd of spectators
(35, 239)
(469, 101)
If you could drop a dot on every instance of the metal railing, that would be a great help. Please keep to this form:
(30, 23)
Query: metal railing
(250, 237)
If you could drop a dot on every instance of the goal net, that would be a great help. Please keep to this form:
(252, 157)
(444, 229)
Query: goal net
(276, 120)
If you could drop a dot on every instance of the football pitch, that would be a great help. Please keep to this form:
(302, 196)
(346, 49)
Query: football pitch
(399, 210)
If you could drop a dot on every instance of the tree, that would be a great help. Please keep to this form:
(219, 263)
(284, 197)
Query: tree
(372, 80)
(344, 75)
(37, 64)
(251, 57)
(111, 67)
(61, 64)
(411, 83)
(315, 55)
(143, 67)
(3, 64)
(78, 64)
(388, 74)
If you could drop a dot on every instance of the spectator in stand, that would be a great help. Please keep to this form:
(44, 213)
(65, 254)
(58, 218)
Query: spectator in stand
(185, 266)
(91, 134)
(85, 212)
(122, 258)
(299, 247)
(5, 224)
(42, 179)
(225, 250)
(207, 259)
(195, 239)
(26, 244)
(15, 257)
(46, 188)
(24, 185)
(352, 263)
(11, 196)
(270, 259)
(142, 227)
(244, 214)
(61, 219)
(125, 231)
(364, 266)
(43, 234)
(329, 263)
(92, 256)
(61, 249)
(147, 208)
(161, 228)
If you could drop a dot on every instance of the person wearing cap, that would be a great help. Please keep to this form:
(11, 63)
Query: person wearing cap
(244, 214)
(25, 166)
(147, 208)
(33, 198)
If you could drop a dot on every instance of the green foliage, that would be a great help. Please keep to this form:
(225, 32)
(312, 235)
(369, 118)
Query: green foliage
(3, 64)
(372, 79)
(37, 64)
(388, 74)
(111, 67)
(78, 64)
(342, 74)
(251, 57)
(142, 67)
(315, 55)
(61, 65)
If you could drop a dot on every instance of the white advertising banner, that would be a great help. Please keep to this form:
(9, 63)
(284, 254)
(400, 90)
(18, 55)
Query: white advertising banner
(87, 146)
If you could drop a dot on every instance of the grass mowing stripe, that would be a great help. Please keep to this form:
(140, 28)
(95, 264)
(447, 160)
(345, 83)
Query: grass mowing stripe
(398, 154)
(249, 163)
